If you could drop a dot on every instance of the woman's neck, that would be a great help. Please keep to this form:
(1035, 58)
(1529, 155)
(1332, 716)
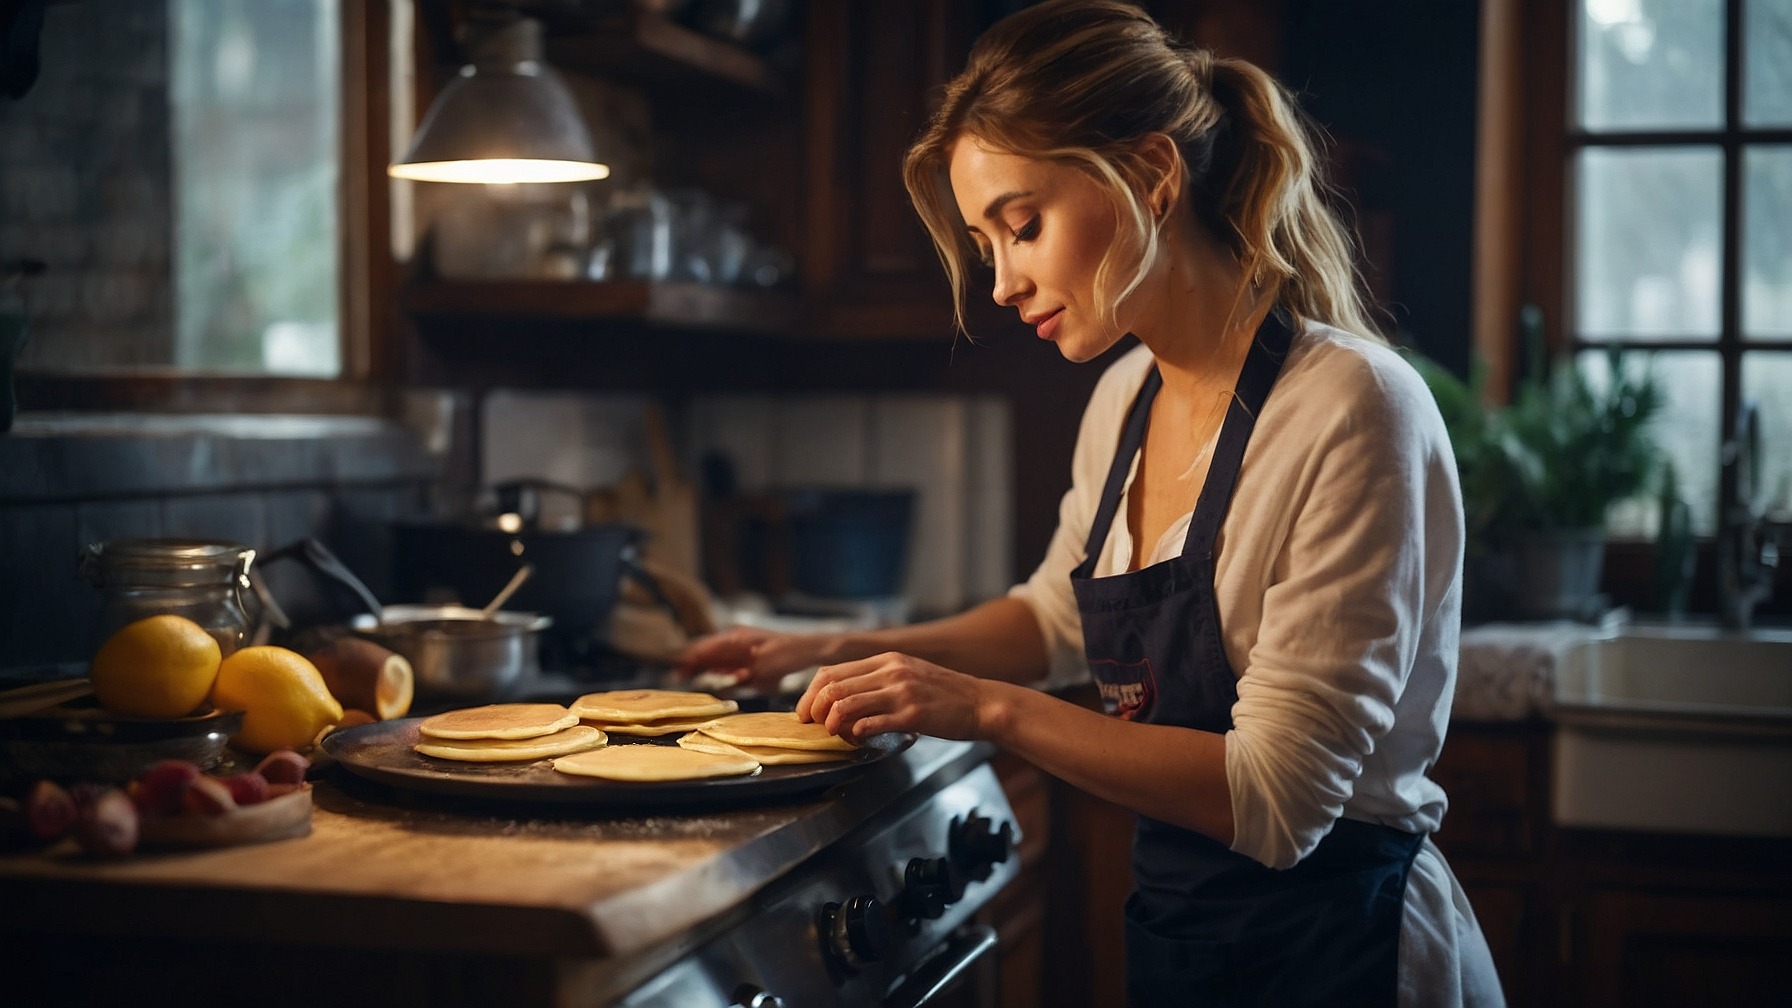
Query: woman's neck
(1194, 320)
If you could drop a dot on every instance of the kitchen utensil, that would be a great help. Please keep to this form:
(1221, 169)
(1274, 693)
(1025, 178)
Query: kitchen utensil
(383, 752)
(509, 589)
(22, 700)
(457, 654)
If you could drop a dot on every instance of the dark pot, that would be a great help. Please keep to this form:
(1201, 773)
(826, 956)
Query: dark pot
(849, 544)
(577, 575)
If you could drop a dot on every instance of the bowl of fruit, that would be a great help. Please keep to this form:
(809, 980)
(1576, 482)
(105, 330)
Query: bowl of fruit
(172, 804)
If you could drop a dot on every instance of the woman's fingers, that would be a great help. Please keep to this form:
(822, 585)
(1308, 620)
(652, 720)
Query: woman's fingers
(891, 692)
(730, 649)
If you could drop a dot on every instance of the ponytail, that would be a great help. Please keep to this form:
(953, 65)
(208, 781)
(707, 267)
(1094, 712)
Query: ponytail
(1267, 187)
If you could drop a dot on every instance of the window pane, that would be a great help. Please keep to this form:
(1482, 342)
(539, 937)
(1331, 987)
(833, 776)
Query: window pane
(1767, 63)
(254, 98)
(1687, 430)
(1767, 377)
(1651, 64)
(1648, 241)
(1767, 242)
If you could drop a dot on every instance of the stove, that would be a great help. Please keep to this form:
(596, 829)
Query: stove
(881, 916)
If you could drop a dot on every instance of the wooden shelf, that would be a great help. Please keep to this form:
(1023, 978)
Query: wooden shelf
(664, 305)
(624, 43)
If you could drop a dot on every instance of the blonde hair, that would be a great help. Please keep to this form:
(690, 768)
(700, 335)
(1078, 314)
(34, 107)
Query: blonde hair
(1079, 83)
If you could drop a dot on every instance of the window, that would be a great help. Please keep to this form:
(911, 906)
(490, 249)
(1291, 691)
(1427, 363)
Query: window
(1679, 147)
(179, 168)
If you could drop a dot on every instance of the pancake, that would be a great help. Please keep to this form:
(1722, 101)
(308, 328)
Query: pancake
(499, 721)
(765, 755)
(578, 738)
(640, 706)
(779, 729)
(655, 763)
(670, 726)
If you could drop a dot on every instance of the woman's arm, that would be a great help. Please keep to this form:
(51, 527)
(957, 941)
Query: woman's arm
(1177, 775)
(999, 639)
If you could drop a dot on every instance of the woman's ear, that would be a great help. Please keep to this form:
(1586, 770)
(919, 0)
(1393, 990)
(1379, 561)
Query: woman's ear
(1163, 173)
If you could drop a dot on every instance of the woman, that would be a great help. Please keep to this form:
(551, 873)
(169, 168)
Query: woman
(1259, 561)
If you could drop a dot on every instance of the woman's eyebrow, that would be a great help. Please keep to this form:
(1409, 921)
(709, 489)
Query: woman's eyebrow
(995, 205)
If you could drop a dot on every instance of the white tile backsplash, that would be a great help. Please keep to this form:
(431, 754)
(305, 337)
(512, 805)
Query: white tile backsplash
(953, 451)
(989, 499)
(821, 441)
(918, 443)
(744, 430)
(582, 441)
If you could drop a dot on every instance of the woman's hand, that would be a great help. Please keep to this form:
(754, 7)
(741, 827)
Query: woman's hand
(894, 692)
(759, 658)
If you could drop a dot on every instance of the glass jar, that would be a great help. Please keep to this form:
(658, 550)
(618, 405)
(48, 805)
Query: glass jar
(202, 580)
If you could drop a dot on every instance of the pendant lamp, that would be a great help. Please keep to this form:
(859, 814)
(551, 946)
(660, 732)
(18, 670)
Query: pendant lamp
(507, 118)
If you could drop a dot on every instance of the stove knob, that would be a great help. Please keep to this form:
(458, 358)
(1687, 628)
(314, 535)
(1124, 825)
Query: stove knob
(857, 932)
(977, 845)
(929, 885)
(749, 996)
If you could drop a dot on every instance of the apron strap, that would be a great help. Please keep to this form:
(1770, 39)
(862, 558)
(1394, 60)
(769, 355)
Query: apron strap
(1261, 367)
(1131, 437)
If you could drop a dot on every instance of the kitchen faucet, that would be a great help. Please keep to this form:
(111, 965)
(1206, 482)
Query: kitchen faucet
(1747, 543)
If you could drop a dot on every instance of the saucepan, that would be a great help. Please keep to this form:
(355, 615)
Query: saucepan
(457, 653)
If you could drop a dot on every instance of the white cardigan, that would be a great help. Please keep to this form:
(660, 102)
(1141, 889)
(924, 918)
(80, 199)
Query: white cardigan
(1338, 579)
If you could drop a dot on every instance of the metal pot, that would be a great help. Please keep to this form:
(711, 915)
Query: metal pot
(459, 655)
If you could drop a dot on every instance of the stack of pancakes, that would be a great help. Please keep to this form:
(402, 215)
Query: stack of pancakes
(714, 740)
(506, 733)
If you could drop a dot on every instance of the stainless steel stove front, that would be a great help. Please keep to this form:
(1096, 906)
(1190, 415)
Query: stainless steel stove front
(882, 917)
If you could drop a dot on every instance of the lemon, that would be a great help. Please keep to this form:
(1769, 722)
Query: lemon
(281, 694)
(158, 667)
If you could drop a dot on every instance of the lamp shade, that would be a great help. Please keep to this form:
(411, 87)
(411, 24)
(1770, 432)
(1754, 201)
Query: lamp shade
(507, 118)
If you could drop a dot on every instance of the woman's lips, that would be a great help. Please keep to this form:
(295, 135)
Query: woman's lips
(1048, 326)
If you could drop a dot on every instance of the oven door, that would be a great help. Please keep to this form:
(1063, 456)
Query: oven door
(962, 974)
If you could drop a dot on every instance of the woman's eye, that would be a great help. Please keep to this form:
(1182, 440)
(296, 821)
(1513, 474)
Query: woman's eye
(1028, 231)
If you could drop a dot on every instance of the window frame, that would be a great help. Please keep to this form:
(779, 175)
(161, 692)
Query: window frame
(368, 321)
(1530, 47)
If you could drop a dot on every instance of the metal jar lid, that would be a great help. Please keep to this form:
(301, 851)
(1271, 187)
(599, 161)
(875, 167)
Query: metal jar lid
(172, 563)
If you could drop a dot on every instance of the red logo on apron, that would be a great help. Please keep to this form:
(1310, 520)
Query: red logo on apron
(1127, 688)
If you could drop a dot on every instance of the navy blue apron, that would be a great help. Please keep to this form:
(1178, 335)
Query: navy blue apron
(1207, 926)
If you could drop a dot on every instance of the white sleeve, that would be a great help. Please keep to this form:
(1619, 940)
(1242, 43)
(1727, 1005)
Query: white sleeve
(1371, 544)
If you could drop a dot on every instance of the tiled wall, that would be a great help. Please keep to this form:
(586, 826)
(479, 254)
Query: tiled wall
(952, 450)
(263, 481)
(84, 187)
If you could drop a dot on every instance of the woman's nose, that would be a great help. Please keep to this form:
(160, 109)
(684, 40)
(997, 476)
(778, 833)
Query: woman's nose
(1009, 285)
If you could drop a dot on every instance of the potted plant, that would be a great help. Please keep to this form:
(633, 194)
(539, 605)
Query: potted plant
(1539, 475)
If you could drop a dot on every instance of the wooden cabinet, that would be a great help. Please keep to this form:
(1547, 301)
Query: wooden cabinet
(874, 74)
(1606, 919)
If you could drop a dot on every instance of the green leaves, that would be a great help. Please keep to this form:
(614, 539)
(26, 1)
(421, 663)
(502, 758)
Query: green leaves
(1578, 447)
(1566, 449)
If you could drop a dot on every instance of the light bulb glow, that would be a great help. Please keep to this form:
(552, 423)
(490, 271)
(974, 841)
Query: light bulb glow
(500, 171)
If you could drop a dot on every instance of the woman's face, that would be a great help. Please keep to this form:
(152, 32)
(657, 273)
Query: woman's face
(1044, 228)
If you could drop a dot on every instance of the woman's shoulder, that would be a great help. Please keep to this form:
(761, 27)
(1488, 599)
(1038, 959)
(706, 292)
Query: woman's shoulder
(1353, 367)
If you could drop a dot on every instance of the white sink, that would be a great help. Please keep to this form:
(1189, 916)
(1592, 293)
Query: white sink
(1676, 729)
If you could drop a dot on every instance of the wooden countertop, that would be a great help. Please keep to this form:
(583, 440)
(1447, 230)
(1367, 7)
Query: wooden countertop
(383, 869)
